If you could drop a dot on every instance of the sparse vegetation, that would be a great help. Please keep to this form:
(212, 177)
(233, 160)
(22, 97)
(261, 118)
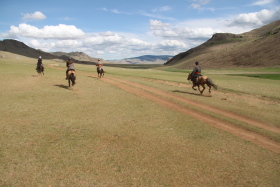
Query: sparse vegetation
(143, 125)
(97, 134)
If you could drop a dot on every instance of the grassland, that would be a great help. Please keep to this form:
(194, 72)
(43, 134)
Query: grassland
(96, 134)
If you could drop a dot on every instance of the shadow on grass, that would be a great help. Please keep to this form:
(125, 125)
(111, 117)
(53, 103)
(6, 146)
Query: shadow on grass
(93, 77)
(191, 93)
(37, 75)
(62, 86)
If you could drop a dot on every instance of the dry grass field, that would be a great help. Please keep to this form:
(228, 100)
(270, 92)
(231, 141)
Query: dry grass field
(135, 128)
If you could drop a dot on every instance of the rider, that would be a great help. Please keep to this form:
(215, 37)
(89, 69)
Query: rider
(99, 64)
(40, 63)
(196, 73)
(69, 65)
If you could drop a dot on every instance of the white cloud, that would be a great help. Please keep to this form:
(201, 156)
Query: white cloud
(104, 39)
(60, 31)
(36, 15)
(162, 9)
(178, 32)
(115, 11)
(158, 25)
(263, 2)
(256, 19)
(199, 3)
(173, 43)
(45, 46)
(107, 33)
(68, 44)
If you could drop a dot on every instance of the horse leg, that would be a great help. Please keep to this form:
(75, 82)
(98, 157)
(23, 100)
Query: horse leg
(199, 89)
(201, 92)
(73, 79)
(194, 86)
(209, 88)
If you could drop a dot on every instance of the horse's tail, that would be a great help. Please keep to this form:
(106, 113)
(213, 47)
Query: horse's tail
(210, 82)
(73, 78)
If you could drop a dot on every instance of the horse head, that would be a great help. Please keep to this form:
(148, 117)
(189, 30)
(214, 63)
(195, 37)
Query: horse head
(189, 76)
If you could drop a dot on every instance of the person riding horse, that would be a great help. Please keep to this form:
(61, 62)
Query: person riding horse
(196, 73)
(70, 66)
(99, 64)
(40, 63)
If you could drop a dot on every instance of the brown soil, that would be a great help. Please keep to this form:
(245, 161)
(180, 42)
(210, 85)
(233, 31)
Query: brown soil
(160, 97)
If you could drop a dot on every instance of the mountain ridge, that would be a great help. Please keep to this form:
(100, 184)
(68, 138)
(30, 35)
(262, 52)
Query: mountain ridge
(256, 48)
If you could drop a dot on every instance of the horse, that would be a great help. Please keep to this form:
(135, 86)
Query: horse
(202, 80)
(40, 70)
(71, 77)
(100, 71)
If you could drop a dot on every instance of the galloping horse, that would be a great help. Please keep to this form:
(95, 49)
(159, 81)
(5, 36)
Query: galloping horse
(202, 80)
(40, 70)
(71, 77)
(100, 71)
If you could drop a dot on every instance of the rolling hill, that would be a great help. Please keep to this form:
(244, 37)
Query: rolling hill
(80, 56)
(257, 48)
(19, 48)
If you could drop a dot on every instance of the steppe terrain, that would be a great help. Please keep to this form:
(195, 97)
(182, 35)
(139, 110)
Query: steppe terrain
(136, 127)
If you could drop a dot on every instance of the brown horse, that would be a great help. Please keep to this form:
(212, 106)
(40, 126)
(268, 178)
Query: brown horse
(71, 77)
(40, 70)
(100, 71)
(202, 80)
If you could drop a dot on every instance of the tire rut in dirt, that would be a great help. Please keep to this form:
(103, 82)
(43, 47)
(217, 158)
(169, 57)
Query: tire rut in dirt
(223, 112)
(154, 96)
(253, 137)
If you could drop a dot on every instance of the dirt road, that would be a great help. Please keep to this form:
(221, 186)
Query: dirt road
(168, 99)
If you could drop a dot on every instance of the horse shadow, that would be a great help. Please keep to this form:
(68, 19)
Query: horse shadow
(191, 93)
(93, 77)
(62, 86)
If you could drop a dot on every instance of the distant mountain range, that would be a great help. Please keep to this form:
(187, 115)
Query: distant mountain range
(17, 47)
(77, 55)
(145, 59)
(257, 48)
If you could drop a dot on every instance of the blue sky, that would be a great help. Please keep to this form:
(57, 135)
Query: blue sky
(116, 29)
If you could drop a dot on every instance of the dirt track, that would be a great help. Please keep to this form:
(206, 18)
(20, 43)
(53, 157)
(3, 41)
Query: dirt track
(160, 97)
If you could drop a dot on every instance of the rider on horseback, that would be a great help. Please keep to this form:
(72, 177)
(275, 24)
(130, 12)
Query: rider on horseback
(40, 63)
(196, 73)
(70, 66)
(99, 63)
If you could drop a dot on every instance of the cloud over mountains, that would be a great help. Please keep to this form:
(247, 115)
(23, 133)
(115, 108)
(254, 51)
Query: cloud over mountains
(160, 37)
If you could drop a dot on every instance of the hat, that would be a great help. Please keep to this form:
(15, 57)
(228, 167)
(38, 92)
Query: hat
(196, 63)
(40, 57)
